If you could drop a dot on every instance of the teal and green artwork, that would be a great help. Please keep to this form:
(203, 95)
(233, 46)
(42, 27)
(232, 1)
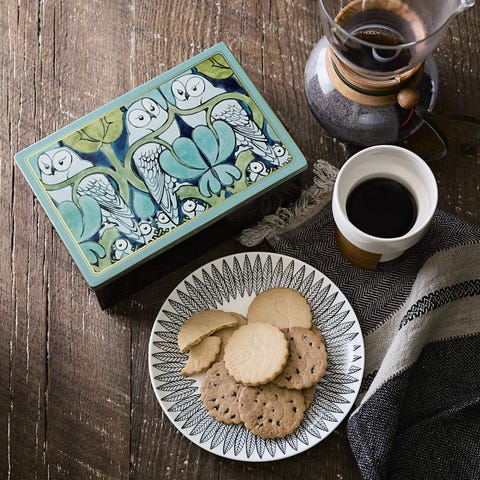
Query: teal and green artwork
(159, 163)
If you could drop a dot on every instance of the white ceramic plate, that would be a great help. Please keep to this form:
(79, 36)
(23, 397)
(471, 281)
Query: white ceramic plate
(230, 284)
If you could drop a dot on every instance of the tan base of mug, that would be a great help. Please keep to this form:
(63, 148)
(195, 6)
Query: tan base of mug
(356, 256)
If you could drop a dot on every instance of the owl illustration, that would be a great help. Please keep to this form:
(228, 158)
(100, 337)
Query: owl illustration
(121, 248)
(192, 90)
(164, 222)
(149, 232)
(256, 171)
(192, 207)
(142, 118)
(59, 164)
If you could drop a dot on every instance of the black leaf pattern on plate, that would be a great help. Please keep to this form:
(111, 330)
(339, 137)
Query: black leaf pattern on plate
(197, 296)
(174, 325)
(240, 440)
(277, 274)
(229, 437)
(169, 356)
(307, 283)
(231, 279)
(260, 445)
(187, 300)
(202, 426)
(257, 275)
(212, 288)
(167, 346)
(179, 395)
(220, 284)
(297, 280)
(196, 418)
(282, 444)
(168, 366)
(248, 275)
(271, 446)
(287, 275)
(188, 413)
(181, 309)
(249, 444)
(267, 273)
(210, 430)
(184, 404)
(238, 276)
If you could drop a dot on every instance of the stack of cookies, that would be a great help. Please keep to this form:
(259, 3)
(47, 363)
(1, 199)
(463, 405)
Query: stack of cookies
(266, 366)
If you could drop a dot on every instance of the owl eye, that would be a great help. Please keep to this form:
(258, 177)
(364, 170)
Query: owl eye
(62, 160)
(195, 86)
(256, 167)
(162, 218)
(151, 106)
(189, 206)
(44, 164)
(178, 90)
(121, 244)
(279, 150)
(138, 118)
(145, 228)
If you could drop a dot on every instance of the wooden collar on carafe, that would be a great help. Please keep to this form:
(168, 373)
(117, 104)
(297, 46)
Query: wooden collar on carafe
(374, 93)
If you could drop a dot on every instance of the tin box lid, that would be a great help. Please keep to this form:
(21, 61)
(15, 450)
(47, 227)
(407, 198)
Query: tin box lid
(161, 162)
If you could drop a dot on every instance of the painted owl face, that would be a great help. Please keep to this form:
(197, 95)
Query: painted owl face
(143, 117)
(191, 90)
(59, 164)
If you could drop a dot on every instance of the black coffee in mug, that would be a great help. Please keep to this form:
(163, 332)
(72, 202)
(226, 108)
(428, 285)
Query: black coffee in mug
(382, 207)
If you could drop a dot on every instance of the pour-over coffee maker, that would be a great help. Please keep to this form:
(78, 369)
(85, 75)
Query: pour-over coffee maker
(372, 79)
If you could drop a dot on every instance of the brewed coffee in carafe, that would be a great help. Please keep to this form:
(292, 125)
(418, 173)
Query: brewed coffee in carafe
(372, 50)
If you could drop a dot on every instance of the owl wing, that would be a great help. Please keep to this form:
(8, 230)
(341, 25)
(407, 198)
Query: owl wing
(160, 185)
(246, 130)
(114, 209)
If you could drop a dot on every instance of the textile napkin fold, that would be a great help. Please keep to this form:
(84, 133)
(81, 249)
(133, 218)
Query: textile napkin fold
(418, 412)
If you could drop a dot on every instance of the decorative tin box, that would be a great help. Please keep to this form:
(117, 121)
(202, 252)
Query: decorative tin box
(158, 164)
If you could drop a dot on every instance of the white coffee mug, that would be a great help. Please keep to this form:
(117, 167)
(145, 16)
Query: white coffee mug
(382, 161)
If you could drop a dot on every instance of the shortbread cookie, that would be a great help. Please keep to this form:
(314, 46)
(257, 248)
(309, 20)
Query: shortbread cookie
(226, 333)
(220, 394)
(281, 307)
(202, 355)
(201, 325)
(308, 395)
(256, 353)
(271, 411)
(307, 360)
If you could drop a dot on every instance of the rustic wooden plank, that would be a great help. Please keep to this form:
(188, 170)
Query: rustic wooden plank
(23, 277)
(74, 380)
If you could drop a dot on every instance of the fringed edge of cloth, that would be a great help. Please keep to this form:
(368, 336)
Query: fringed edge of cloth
(311, 201)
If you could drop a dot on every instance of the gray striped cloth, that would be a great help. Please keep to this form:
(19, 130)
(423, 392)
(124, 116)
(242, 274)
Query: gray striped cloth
(418, 413)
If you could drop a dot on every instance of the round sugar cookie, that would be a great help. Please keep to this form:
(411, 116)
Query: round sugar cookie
(219, 394)
(282, 307)
(271, 411)
(256, 353)
(307, 359)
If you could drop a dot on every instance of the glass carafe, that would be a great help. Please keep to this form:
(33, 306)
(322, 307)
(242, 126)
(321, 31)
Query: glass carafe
(373, 68)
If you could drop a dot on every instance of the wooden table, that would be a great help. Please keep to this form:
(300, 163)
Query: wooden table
(75, 395)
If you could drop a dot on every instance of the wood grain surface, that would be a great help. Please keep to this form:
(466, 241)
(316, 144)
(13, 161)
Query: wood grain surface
(75, 395)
